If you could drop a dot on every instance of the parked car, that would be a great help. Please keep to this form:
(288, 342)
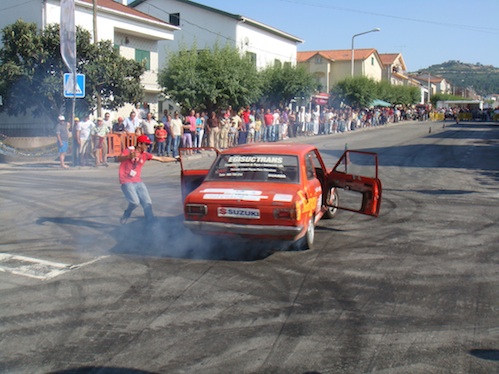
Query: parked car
(272, 191)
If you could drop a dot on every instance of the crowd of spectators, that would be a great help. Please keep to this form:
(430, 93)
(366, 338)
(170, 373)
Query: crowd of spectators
(229, 127)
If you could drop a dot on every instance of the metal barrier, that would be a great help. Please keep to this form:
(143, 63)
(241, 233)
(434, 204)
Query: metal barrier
(116, 143)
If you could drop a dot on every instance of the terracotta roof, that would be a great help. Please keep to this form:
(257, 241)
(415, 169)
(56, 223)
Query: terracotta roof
(336, 55)
(113, 5)
(388, 58)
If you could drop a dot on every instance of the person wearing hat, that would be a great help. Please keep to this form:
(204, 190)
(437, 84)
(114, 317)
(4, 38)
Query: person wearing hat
(161, 136)
(99, 137)
(62, 135)
(132, 160)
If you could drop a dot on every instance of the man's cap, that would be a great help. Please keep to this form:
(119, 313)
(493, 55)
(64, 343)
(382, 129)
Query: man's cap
(61, 118)
(99, 119)
(143, 139)
(77, 119)
(161, 124)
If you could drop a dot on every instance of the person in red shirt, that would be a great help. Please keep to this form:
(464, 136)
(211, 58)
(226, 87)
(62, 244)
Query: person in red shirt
(132, 160)
(268, 118)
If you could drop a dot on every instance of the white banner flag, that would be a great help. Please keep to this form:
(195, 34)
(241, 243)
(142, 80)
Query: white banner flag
(68, 34)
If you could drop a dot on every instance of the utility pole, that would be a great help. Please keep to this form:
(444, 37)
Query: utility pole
(99, 98)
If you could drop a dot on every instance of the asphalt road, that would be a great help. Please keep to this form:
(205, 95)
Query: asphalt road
(415, 290)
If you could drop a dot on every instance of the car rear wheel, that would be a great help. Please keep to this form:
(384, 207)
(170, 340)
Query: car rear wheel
(332, 199)
(307, 240)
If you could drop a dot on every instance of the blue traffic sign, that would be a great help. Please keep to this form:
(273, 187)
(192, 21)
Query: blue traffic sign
(70, 88)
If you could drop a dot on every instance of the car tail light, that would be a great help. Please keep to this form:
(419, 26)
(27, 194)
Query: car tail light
(285, 213)
(196, 210)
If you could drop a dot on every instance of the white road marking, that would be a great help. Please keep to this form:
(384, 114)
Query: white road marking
(37, 268)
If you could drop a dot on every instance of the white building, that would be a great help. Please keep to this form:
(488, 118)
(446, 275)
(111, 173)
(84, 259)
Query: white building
(206, 27)
(136, 34)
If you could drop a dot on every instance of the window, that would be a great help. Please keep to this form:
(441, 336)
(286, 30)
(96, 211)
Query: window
(318, 60)
(175, 19)
(372, 61)
(256, 168)
(277, 63)
(252, 57)
(141, 55)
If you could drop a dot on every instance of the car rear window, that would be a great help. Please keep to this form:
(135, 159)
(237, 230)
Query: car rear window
(256, 168)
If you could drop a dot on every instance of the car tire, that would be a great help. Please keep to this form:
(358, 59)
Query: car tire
(331, 212)
(307, 240)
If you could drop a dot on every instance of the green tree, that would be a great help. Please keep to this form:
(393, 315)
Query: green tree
(32, 71)
(361, 91)
(210, 78)
(281, 84)
(356, 92)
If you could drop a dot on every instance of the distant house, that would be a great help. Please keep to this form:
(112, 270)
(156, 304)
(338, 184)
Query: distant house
(134, 33)
(395, 70)
(206, 26)
(436, 84)
(332, 66)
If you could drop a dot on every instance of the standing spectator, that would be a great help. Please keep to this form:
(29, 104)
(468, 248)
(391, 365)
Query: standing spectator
(166, 120)
(99, 137)
(268, 120)
(187, 135)
(238, 125)
(276, 123)
(198, 140)
(134, 190)
(62, 135)
(119, 129)
(259, 124)
(316, 115)
(251, 128)
(119, 126)
(107, 121)
(132, 123)
(161, 136)
(143, 112)
(84, 140)
(309, 126)
(214, 130)
(223, 136)
(148, 128)
(177, 131)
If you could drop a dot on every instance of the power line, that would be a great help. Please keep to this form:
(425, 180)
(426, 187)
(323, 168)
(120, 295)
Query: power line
(488, 30)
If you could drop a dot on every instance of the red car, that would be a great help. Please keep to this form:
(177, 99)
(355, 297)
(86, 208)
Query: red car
(273, 191)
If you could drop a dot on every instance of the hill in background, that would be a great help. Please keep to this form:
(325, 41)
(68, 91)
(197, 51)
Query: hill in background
(484, 79)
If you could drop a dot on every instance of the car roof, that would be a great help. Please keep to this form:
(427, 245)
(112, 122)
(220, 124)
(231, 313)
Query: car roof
(271, 148)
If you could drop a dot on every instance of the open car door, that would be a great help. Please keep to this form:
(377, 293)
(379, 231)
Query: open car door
(195, 163)
(356, 172)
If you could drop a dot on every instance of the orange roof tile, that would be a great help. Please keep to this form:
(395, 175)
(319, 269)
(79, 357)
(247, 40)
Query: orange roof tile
(336, 55)
(388, 58)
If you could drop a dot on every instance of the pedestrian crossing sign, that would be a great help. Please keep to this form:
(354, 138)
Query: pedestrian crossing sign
(70, 90)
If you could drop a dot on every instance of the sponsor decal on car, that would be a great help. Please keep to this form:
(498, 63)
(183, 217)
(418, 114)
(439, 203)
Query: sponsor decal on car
(283, 197)
(232, 194)
(239, 213)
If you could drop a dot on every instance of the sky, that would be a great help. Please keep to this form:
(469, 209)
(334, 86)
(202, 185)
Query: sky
(425, 32)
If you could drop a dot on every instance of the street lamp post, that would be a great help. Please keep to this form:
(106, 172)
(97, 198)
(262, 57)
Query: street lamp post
(353, 50)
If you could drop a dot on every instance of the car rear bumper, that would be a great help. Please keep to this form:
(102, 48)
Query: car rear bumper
(284, 232)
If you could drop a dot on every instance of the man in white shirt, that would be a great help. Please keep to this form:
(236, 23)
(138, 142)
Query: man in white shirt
(83, 130)
(149, 128)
